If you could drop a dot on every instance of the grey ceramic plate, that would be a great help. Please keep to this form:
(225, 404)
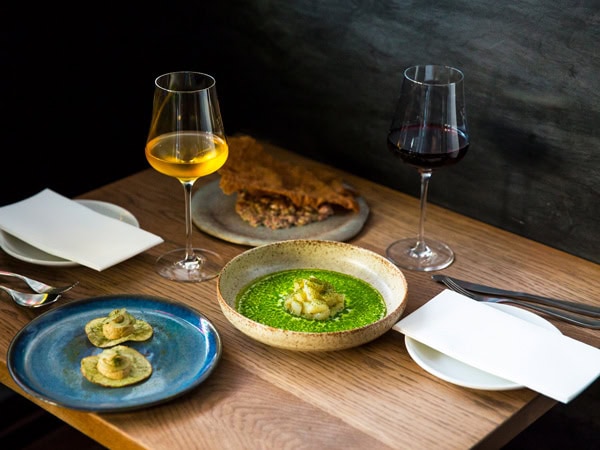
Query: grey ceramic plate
(44, 357)
(214, 213)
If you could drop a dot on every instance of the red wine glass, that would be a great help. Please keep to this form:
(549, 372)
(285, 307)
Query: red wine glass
(428, 131)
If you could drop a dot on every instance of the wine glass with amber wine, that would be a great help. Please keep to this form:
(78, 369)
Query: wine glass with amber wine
(187, 141)
(428, 131)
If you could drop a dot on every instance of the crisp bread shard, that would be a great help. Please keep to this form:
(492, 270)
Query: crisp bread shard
(250, 169)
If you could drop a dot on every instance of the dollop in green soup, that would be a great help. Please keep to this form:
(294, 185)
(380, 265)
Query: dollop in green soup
(263, 302)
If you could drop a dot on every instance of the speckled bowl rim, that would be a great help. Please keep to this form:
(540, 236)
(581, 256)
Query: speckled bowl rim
(365, 264)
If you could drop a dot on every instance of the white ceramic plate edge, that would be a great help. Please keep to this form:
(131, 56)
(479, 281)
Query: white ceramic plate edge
(23, 251)
(461, 374)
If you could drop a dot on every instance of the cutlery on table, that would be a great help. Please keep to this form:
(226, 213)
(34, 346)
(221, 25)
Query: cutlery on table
(563, 315)
(38, 286)
(579, 308)
(30, 300)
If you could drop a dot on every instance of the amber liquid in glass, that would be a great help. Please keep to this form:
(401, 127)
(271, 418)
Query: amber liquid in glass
(187, 155)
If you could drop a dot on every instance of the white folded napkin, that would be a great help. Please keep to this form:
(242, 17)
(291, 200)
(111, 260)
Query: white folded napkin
(499, 343)
(65, 228)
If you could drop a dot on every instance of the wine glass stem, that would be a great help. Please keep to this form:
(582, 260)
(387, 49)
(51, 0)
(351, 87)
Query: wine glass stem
(421, 247)
(189, 245)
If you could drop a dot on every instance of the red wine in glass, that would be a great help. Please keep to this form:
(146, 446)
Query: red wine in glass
(428, 147)
(428, 131)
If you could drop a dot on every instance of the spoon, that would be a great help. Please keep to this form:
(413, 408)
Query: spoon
(38, 286)
(30, 300)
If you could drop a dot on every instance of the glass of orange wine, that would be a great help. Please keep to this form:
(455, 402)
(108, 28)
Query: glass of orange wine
(187, 141)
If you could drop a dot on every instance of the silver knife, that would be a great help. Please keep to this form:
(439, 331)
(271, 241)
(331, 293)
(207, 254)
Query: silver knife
(588, 310)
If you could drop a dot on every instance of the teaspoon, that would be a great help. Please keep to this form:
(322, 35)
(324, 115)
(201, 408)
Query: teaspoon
(30, 300)
(38, 286)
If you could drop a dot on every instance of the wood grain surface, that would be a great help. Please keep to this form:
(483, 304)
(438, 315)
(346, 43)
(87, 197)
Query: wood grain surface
(372, 396)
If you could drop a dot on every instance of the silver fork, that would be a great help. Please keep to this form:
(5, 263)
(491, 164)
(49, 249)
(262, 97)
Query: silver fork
(38, 286)
(577, 320)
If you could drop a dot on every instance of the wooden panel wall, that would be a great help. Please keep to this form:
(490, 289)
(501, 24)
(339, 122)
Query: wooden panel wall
(321, 78)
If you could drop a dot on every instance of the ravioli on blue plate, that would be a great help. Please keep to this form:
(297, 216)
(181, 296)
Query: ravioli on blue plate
(118, 327)
(116, 367)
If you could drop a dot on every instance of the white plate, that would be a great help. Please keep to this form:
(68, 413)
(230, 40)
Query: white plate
(22, 250)
(457, 372)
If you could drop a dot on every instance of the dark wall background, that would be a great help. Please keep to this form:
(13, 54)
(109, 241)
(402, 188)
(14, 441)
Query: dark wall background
(321, 78)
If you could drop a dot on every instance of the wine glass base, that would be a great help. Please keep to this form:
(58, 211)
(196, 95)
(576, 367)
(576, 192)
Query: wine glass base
(433, 255)
(173, 265)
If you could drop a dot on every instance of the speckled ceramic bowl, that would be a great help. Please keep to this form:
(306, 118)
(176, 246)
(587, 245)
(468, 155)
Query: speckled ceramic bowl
(312, 254)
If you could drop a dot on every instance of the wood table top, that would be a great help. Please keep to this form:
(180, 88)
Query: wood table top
(371, 396)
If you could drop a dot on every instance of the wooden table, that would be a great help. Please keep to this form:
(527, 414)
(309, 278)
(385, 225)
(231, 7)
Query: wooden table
(372, 396)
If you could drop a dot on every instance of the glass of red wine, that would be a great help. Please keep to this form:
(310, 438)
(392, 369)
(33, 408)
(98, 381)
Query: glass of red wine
(428, 131)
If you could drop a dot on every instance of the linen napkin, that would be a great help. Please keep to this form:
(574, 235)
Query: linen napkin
(499, 343)
(65, 228)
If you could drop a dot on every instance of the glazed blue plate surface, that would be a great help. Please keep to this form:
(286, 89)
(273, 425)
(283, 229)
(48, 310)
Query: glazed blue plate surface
(44, 357)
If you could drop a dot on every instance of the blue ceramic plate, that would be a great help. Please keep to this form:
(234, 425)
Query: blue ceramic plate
(44, 357)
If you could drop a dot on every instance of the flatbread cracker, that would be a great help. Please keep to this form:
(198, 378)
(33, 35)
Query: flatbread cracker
(120, 326)
(116, 367)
